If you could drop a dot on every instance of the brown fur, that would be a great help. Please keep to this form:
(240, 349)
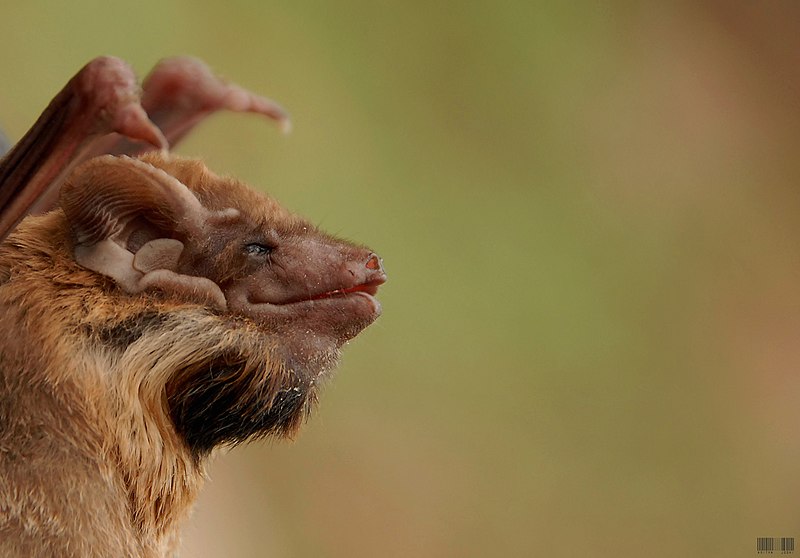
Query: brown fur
(99, 388)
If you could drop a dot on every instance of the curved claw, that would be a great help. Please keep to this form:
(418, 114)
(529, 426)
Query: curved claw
(180, 92)
(100, 112)
(132, 122)
(107, 93)
(102, 98)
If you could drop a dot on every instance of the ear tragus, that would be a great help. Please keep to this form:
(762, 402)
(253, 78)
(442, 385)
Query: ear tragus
(161, 253)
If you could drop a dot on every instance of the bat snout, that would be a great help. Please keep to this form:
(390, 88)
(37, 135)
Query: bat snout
(367, 270)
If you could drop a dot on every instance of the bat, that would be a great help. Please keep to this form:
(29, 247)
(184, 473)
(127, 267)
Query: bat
(152, 311)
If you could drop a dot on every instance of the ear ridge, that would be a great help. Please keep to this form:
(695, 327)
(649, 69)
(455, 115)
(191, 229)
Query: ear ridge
(106, 193)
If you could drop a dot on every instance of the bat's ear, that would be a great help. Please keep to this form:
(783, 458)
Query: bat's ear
(128, 217)
(128, 201)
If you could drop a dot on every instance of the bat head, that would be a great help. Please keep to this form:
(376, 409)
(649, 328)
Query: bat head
(168, 227)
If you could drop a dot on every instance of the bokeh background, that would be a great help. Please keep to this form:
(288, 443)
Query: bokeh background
(590, 214)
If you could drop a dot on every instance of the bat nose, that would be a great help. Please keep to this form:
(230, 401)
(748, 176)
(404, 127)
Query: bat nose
(374, 263)
(367, 270)
(375, 272)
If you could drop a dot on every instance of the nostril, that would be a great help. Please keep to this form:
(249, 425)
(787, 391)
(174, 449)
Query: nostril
(374, 262)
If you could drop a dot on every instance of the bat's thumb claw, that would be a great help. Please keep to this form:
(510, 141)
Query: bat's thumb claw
(132, 122)
(285, 125)
(239, 99)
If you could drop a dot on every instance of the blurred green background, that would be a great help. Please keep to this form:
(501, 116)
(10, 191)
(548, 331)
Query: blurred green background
(590, 215)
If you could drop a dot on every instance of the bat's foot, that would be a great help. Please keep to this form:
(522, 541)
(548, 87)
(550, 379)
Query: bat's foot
(181, 91)
(102, 110)
(106, 96)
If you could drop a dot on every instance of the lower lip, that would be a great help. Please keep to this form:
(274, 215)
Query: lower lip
(351, 294)
(370, 289)
(376, 306)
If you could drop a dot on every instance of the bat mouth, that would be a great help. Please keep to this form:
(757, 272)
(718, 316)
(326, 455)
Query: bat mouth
(370, 288)
(339, 313)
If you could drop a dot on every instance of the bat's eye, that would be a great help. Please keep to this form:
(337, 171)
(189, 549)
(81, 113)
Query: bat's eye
(257, 249)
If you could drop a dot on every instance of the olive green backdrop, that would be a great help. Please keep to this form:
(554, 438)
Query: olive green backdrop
(590, 216)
